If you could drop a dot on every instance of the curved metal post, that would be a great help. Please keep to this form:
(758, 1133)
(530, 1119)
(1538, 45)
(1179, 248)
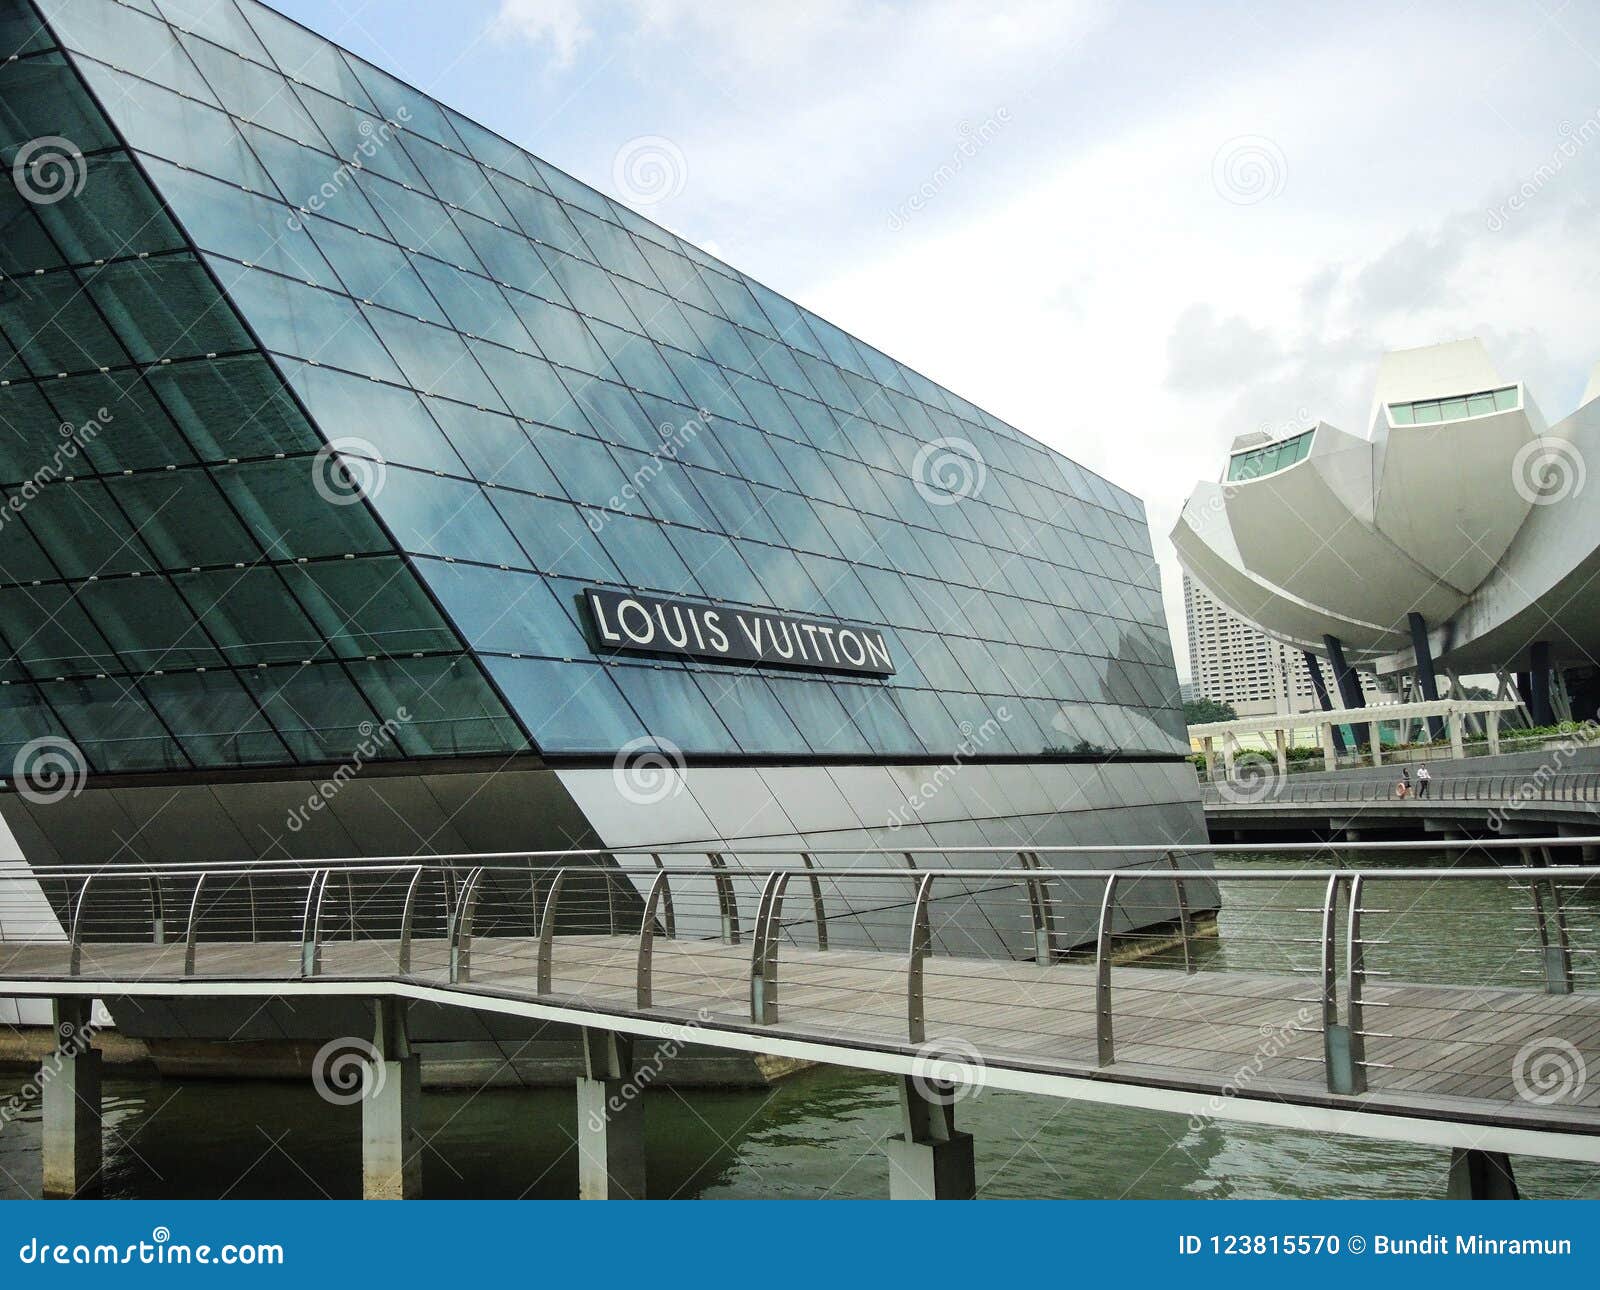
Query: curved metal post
(547, 931)
(658, 889)
(1185, 923)
(75, 956)
(250, 890)
(158, 911)
(727, 900)
(669, 921)
(1337, 1055)
(311, 926)
(461, 933)
(1551, 920)
(817, 911)
(407, 913)
(194, 926)
(921, 947)
(1105, 1047)
(764, 957)
(1041, 911)
(1355, 967)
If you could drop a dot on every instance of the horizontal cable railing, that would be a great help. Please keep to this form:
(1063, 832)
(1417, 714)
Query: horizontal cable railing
(1368, 974)
(1264, 786)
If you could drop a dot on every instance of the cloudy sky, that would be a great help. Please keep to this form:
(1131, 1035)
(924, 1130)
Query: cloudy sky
(1133, 231)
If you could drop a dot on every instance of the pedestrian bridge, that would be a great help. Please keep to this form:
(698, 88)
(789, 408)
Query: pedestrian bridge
(1324, 999)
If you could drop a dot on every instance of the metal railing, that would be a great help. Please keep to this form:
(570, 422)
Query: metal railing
(1040, 951)
(1526, 786)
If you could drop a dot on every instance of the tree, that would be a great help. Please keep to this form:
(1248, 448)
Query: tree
(1198, 712)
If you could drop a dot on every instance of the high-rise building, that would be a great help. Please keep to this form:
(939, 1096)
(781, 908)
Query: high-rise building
(410, 495)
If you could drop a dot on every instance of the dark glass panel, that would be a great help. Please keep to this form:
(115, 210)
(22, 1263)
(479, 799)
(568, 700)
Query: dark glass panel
(250, 615)
(51, 635)
(39, 98)
(372, 606)
(24, 245)
(296, 319)
(162, 123)
(147, 623)
(114, 725)
(29, 431)
(21, 32)
(183, 518)
(215, 719)
(21, 559)
(568, 707)
(166, 307)
(83, 532)
(54, 326)
(24, 716)
(450, 517)
(115, 214)
(233, 407)
(118, 421)
(318, 712)
(439, 706)
(289, 515)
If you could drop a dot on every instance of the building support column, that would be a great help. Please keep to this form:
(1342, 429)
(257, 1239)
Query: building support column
(1375, 739)
(1326, 731)
(1539, 705)
(1426, 679)
(70, 1082)
(1208, 744)
(1227, 755)
(1320, 687)
(1480, 1175)
(1492, 732)
(611, 1162)
(1281, 745)
(391, 1108)
(931, 1160)
(1457, 747)
(1345, 678)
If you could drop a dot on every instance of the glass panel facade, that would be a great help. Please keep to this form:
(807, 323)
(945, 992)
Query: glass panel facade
(529, 390)
(1432, 411)
(1273, 456)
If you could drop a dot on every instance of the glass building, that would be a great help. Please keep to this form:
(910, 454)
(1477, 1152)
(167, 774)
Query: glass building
(323, 407)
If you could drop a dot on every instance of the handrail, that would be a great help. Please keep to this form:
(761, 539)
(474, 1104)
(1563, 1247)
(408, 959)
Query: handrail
(461, 931)
(75, 960)
(921, 946)
(547, 932)
(191, 931)
(408, 911)
(1104, 1040)
(642, 973)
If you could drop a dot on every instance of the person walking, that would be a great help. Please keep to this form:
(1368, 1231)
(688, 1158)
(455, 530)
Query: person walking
(1424, 778)
(1402, 790)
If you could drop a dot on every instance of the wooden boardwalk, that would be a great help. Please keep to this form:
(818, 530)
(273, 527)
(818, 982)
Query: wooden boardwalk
(1470, 1054)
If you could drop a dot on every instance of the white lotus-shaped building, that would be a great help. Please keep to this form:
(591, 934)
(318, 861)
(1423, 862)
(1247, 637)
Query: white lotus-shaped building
(1457, 536)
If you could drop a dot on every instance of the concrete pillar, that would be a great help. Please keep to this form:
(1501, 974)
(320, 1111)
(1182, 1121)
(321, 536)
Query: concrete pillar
(391, 1108)
(1493, 720)
(1314, 666)
(1427, 681)
(1345, 677)
(1375, 738)
(1281, 744)
(1227, 754)
(611, 1162)
(1210, 747)
(1480, 1175)
(1457, 749)
(70, 1082)
(1325, 732)
(931, 1160)
(1539, 705)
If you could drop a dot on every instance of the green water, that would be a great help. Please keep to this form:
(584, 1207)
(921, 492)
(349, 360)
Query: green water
(819, 1134)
